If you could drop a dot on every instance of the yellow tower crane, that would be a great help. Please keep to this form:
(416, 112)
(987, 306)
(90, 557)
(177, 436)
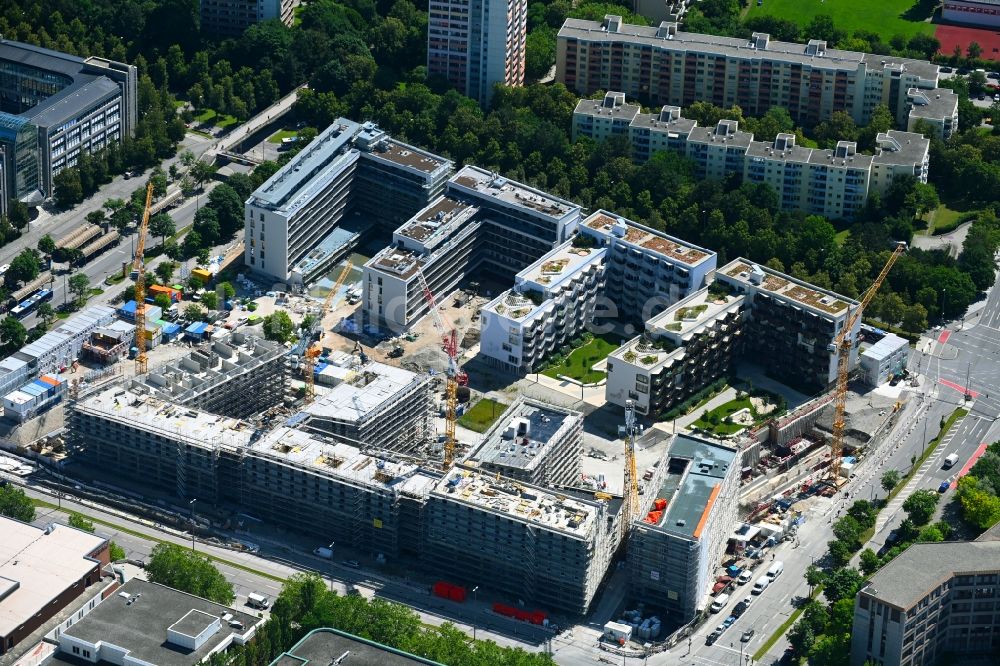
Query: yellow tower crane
(314, 351)
(630, 492)
(139, 268)
(843, 343)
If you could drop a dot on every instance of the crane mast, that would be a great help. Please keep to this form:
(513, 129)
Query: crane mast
(842, 343)
(139, 267)
(630, 491)
(313, 352)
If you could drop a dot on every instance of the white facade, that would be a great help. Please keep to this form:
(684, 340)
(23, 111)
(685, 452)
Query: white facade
(974, 12)
(885, 358)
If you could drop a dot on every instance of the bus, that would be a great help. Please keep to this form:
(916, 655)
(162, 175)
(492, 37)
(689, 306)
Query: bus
(26, 307)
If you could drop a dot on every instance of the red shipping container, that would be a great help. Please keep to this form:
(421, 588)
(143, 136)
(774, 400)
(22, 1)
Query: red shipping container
(660, 504)
(457, 593)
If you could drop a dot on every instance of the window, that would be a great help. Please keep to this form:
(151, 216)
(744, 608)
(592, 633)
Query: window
(76, 649)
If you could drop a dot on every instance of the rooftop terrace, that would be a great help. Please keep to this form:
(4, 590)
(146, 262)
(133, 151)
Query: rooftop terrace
(610, 225)
(522, 436)
(407, 156)
(493, 186)
(786, 287)
(557, 266)
(437, 221)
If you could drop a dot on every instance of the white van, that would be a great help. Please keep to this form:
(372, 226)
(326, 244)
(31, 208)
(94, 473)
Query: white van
(950, 460)
(719, 603)
(745, 577)
(255, 600)
(775, 570)
(760, 585)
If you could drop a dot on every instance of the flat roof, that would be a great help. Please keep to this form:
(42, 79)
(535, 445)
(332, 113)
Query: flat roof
(37, 565)
(690, 502)
(371, 386)
(885, 347)
(715, 135)
(786, 287)
(901, 148)
(558, 265)
(660, 122)
(437, 221)
(732, 46)
(908, 578)
(545, 425)
(933, 104)
(397, 260)
(491, 186)
(596, 107)
(405, 155)
(646, 238)
(526, 503)
(193, 426)
(140, 627)
(322, 646)
(691, 314)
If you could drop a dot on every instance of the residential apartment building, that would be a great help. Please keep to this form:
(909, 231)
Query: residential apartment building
(484, 222)
(834, 183)
(550, 548)
(314, 209)
(791, 324)
(319, 644)
(647, 270)
(533, 442)
(477, 44)
(53, 107)
(938, 108)
(230, 18)
(664, 65)
(674, 552)
(552, 302)
(43, 571)
(683, 349)
(932, 600)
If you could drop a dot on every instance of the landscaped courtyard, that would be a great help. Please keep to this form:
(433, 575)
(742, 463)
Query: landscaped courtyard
(744, 411)
(481, 415)
(579, 364)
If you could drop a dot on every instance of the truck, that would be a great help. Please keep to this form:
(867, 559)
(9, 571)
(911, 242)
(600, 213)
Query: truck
(256, 600)
(323, 552)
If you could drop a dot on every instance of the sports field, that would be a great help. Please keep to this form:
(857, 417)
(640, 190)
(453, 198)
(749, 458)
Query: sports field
(885, 17)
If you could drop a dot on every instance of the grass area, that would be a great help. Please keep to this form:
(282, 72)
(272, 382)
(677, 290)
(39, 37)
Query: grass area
(148, 537)
(944, 219)
(785, 626)
(842, 237)
(282, 134)
(200, 133)
(720, 413)
(63, 314)
(482, 415)
(579, 365)
(96, 291)
(114, 279)
(886, 17)
(928, 450)
(209, 116)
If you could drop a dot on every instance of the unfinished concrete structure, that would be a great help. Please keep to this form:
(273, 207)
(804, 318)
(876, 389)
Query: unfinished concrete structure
(533, 442)
(239, 376)
(547, 547)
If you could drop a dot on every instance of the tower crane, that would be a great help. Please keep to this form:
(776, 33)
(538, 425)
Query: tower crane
(449, 339)
(842, 344)
(313, 352)
(630, 491)
(139, 268)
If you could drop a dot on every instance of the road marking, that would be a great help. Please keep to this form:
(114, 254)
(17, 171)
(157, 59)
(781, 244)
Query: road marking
(968, 465)
(957, 387)
(945, 334)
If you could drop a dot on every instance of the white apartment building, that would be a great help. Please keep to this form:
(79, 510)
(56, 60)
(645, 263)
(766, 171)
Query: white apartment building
(665, 65)
(551, 303)
(937, 107)
(477, 44)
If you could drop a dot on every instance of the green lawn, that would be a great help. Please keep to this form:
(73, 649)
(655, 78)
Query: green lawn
(842, 236)
(482, 415)
(946, 218)
(219, 120)
(580, 363)
(282, 134)
(885, 17)
(722, 411)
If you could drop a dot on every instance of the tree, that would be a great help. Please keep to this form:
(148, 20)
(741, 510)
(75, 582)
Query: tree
(202, 172)
(974, 50)
(162, 301)
(814, 575)
(18, 214)
(116, 552)
(24, 267)
(165, 271)
(920, 506)
(159, 180)
(79, 286)
(890, 479)
(848, 530)
(194, 312)
(162, 225)
(278, 326)
(229, 207)
(46, 313)
(15, 504)
(842, 584)
(191, 244)
(67, 189)
(12, 334)
(228, 289)
(97, 217)
(46, 245)
(870, 562)
(980, 508)
(80, 522)
(183, 569)
(914, 318)
(210, 300)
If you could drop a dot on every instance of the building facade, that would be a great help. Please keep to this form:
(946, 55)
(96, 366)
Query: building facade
(476, 45)
(53, 107)
(664, 65)
(885, 359)
(932, 600)
(673, 552)
(231, 17)
(834, 183)
(984, 13)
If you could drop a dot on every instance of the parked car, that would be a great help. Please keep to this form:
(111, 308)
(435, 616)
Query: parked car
(947, 70)
(712, 637)
(890, 541)
(945, 485)
(354, 564)
(739, 609)
(729, 621)
(747, 636)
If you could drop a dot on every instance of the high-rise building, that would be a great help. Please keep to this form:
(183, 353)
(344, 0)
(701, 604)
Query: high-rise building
(231, 17)
(477, 44)
(664, 65)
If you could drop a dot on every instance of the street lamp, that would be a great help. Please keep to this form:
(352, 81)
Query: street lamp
(330, 547)
(191, 505)
(475, 602)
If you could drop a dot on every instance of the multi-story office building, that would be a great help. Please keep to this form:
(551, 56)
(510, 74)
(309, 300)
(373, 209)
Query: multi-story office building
(647, 270)
(317, 206)
(673, 553)
(544, 547)
(533, 442)
(664, 65)
(551, 303)
(684, 349)
(485, 221)
(932, 600)
(53, 107)
(938, 108)
(231, 17)
(833, 183)
(476, 45)
(791, 324)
